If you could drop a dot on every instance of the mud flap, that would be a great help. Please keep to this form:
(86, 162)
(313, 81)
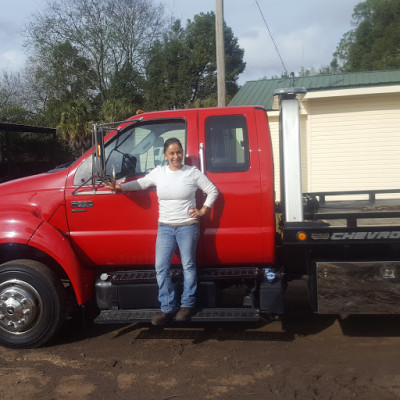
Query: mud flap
(358, 287)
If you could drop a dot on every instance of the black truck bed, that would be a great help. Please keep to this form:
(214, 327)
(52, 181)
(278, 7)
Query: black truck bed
(372, 208)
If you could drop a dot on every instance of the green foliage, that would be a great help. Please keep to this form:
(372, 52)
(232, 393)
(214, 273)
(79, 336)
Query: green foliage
(126, 88)
(117, 109)
(181, 71)
(14, 114)
(67, 75)
(75, 126)
(169, 81)
(374, 42)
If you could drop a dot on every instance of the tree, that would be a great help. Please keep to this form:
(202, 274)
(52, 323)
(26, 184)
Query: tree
(110, 34)
(116, 110)
(182, 66)
(374, 42)
(169, 71)
(15, 114)
(60, 75)
(75, 126)
(126, 86)
(12, 95)
(12, 90)
(60, 79)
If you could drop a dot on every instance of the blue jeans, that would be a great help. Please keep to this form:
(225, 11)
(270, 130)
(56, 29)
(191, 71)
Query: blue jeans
(168, 239)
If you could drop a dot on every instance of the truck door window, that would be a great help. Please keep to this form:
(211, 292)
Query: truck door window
(140, 148)
(227, 146)
(137, 149)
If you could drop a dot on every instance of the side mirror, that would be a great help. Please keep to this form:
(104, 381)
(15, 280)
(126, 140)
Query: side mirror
(98, 170)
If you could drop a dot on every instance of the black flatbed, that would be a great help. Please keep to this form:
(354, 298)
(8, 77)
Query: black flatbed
(366, 208)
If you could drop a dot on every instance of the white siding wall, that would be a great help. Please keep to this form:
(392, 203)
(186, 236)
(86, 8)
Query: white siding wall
(354, 143)
(348, 142)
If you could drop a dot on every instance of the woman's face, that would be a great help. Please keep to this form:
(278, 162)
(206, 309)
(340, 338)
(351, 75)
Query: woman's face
(174, 156)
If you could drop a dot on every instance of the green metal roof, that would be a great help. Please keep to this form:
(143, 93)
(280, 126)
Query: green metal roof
(261, 92)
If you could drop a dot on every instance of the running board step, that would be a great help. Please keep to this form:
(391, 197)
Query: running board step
(203, 315)
(143, 276)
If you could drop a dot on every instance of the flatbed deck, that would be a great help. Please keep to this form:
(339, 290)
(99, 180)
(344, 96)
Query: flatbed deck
(371, 211)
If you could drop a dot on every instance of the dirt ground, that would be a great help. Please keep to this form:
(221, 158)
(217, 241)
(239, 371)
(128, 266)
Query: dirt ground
(304, 356)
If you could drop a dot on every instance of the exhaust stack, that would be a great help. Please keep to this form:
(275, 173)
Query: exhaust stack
(290, 162)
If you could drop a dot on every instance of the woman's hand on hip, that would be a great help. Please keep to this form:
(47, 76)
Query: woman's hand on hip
(197, 214)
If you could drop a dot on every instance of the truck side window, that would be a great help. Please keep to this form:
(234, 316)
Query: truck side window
(140, 148)
(137, 149)
(227, 145)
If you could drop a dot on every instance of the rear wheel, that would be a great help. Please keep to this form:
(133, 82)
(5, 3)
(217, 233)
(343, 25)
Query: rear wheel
(32, 303)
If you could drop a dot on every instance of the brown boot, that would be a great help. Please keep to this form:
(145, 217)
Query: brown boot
(161, 318)
(184, 314)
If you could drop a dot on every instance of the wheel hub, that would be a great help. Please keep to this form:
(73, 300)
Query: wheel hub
(19, 306)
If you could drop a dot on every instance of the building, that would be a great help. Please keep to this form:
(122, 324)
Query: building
(350, 128)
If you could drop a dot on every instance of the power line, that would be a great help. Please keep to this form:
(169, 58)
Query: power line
(270, 34)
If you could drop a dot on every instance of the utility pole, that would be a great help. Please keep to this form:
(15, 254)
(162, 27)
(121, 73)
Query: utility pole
(219, 33)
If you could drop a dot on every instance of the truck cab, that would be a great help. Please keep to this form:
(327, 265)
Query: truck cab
(224, 144)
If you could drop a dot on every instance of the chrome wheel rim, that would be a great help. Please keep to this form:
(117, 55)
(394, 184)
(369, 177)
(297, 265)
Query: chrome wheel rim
(20, 306)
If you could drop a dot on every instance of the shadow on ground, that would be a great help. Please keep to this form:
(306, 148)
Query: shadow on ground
(298, 320)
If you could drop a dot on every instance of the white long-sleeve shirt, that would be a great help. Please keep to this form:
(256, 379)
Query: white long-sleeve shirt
(176, 191)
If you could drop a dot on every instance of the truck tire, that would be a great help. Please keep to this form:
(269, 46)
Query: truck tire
(32, 304)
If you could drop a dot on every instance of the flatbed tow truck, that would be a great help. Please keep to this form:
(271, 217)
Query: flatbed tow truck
(65, 239)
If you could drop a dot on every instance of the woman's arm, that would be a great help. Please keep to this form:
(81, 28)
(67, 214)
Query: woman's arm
(134, 186)
(203, 183)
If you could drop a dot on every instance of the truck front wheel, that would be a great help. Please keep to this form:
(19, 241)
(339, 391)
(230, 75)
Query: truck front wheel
(31, 304)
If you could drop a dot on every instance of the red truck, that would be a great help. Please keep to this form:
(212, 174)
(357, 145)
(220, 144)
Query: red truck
(66, 240)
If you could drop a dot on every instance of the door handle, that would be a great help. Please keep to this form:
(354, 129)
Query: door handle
(201, 154)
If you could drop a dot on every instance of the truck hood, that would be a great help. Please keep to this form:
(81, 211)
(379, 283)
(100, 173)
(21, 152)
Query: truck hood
(39, 194)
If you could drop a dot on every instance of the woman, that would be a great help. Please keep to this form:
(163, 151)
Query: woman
(178, 226)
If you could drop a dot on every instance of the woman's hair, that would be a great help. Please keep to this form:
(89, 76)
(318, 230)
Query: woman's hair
(170, 141)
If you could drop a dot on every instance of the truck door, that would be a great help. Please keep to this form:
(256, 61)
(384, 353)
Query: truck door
(120, 229)
(233, 233)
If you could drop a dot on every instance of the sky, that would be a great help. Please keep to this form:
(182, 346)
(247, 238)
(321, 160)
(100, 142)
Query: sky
(305, 32)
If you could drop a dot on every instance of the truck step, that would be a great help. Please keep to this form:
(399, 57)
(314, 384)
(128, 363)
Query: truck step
(203, 315)
(143, 276)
